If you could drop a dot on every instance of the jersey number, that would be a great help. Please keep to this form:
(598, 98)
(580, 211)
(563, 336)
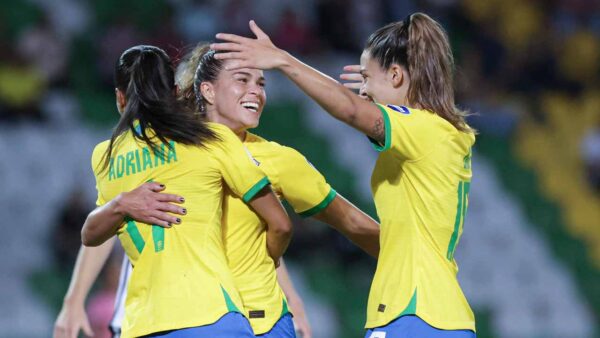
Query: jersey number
(461, 210)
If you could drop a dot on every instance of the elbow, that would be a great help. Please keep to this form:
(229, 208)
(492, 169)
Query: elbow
(282, 229)
(87, 239)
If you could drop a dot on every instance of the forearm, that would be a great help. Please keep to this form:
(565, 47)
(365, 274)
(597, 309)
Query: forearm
(279, 226)
(277, 243)
(88, 265)
(354, 224)
(332, 96)
(102, 223)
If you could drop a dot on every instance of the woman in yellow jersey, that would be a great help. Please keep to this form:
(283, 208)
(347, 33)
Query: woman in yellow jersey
(244, 232)
(293, 178)
(421, 180)
(181, 285)
(236, 99)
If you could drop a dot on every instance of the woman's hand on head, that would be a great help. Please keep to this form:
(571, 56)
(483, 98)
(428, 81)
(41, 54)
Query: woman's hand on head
(352, 74)
(148, 204)
(243, 52)
(355, 80)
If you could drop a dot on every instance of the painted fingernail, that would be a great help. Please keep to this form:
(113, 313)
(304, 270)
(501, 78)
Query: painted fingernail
(169, 224)
(182, 199)
(184, 210)
(178, 220)
(162, 185)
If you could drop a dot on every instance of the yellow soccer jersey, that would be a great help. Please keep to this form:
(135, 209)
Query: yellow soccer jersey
(420, 185)
(293, 179)
(180, 276)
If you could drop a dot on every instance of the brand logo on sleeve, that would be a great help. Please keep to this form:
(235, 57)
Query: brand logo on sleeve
(400, 109)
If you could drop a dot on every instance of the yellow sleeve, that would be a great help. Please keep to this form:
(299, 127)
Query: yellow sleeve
(97, 158)
(301, 184)
(238, 168)
(408, 133)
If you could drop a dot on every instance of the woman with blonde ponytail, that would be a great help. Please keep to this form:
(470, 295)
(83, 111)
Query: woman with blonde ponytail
(422, 177)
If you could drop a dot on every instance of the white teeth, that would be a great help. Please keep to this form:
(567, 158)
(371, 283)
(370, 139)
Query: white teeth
(250, 105)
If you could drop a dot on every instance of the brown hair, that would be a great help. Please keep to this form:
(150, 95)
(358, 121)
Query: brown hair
(197, 66)
(421, 45)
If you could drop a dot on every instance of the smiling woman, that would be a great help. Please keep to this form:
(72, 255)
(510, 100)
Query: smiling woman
(422, 177)
(233, 98)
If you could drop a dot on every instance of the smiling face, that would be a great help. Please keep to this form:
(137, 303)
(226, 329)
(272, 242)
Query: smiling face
(382, 85)
(236, 98)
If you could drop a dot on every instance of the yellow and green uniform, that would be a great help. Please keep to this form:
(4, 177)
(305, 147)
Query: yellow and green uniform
(180, 277)
(293, 179)
(420, 185)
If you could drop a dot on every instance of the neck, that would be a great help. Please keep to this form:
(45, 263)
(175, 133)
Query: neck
(213, 116)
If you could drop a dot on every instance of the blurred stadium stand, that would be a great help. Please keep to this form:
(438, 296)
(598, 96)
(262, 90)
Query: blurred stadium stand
(530, 255)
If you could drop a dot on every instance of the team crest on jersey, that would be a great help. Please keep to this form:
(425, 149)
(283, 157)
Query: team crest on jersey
(400, 109)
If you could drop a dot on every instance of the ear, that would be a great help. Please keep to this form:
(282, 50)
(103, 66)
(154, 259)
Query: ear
(208, 92)
(121, 100)
(396, 75)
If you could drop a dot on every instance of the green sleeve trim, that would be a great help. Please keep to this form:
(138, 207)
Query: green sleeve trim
(388, 132)
(319, 207)
(249, 195)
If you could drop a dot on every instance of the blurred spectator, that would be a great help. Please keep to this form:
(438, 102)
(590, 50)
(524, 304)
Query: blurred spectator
(45, 50)
(21, 87)
(197, 20)
(67, 231)
(293, 34)
(335, 25)
(236, 15)
(590, 151)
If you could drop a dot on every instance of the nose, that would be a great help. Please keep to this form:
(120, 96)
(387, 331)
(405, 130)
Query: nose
(255, 89)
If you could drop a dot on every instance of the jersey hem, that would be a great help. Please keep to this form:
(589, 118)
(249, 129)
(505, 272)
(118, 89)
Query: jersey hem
(177, 326)
(249, 195)
(319, 207)
(438, 325)
(388, 132)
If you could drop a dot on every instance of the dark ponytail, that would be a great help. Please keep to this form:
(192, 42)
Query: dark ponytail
(421, 45)
(145, 75)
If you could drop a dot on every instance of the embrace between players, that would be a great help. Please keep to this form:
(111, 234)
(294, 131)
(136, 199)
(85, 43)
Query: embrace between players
(193, 196)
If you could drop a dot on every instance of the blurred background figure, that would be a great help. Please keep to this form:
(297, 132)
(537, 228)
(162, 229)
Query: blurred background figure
(530, 256)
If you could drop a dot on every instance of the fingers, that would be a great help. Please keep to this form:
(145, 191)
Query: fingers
(87, 329)
(228, 56)
(154, 186)
(352, 77)
(353, 85)
(168, 207)
(163, 197)
(352, 68)
(259, 33)
(232, 38)
(227, 46)
(159, 222)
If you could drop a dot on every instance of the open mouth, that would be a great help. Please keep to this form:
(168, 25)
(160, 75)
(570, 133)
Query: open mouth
(251, 106)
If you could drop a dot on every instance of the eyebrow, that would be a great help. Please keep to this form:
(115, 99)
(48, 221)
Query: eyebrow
(262, 78)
